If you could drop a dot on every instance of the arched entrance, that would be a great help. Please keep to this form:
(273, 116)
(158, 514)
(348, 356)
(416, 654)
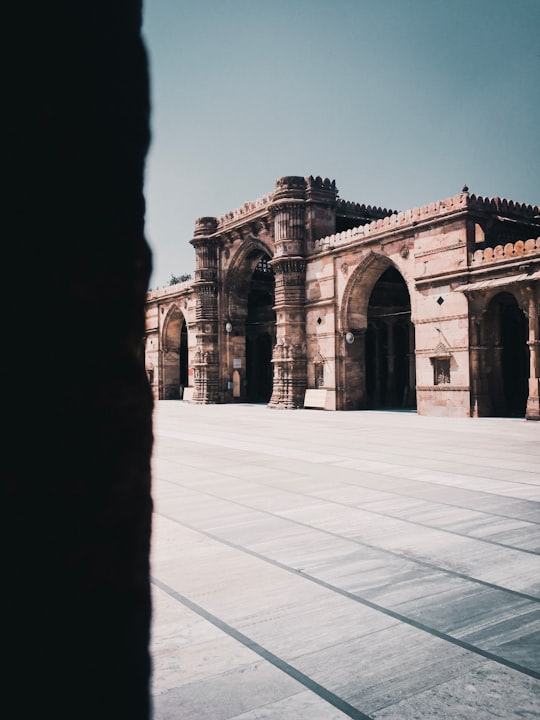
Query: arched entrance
(505, 333)
(174, 364)
(260, 332)
(251, 321)
(377, 364)
(389, 348)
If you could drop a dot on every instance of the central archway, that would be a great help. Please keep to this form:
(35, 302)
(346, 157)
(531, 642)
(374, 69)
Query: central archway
(250, 311)
(378, 369)
(389, 344)
(260, 324)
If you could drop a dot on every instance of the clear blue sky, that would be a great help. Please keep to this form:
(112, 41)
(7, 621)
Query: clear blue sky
(400, 101)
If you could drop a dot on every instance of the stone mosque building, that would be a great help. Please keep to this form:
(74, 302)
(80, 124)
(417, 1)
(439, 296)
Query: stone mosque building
(301, 299)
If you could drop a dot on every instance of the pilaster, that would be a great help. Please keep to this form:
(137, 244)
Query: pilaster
(533, 402)
(480, 400)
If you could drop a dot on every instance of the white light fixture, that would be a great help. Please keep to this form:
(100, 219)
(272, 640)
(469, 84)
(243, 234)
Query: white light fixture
(349, 337)
(228, 327)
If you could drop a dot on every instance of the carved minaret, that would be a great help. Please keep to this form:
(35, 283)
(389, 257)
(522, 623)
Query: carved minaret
(206, 361)
(289, 265)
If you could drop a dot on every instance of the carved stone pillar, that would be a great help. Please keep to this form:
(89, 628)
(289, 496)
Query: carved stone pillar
(479, 369)
(411, 390)
(475, 363)
(378, 383)
(533, 404)
(289, 266)
(206, 365)
(391, 399)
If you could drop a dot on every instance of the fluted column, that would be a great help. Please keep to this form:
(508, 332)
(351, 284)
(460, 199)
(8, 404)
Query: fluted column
(479, 367)
(411, 390)
(206, 361)
(378, 392)
(533, 404)
(289, 266)
(391, 399)
(476, 377)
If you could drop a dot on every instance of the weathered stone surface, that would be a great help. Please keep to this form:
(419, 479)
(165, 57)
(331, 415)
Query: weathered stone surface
(390, 560)
(434, 308)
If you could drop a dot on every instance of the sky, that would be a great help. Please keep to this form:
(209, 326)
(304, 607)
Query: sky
(401, 102)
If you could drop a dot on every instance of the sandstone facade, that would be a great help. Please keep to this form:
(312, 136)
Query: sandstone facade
(301, 299)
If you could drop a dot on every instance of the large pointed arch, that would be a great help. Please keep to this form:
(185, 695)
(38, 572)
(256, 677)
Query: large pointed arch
(353, 313)
(241, 268)
(249, 308)
(378, 362)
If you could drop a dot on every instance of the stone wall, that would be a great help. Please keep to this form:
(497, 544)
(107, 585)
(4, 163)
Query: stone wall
(76, 404)
(328, 256)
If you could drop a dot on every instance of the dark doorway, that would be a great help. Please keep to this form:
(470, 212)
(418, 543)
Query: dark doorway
(390, 364)
(260, 333)
(507, 336)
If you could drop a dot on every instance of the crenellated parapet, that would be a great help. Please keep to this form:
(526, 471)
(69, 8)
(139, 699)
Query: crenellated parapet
(395, 221)
(315, 184)
(501, 205)
(181, 288)
(500, 223)
(369, 212)
(509, 251)
(321, 191)
(248, 212)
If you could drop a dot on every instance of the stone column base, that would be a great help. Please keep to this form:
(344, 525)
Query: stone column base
(533, 401)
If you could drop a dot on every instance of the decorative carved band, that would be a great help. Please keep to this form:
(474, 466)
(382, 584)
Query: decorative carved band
(439, 249)
(287, 265)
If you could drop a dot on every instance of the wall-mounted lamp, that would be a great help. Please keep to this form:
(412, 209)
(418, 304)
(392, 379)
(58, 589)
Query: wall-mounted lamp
(228, 327)
(349, 337)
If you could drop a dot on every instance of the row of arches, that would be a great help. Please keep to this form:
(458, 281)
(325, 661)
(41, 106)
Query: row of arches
(387, 346)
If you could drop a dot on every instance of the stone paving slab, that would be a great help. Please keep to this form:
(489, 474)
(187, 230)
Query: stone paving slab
(329, 565)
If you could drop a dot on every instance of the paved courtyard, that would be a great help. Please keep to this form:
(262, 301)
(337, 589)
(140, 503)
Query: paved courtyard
(309, 565)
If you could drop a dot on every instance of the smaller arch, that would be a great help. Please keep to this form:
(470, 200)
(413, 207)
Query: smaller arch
(171, 327)
(359, 287)
(479, 302)
(174, 357)
(504, 365)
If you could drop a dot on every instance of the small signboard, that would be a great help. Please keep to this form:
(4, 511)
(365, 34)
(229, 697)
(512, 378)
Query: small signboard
(237, 363)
